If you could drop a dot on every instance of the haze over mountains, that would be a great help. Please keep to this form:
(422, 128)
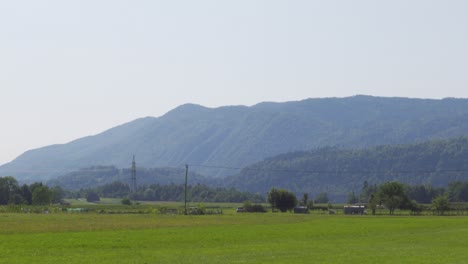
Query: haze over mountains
(237, 136)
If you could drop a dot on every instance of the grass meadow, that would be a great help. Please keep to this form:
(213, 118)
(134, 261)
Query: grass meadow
(231, 238)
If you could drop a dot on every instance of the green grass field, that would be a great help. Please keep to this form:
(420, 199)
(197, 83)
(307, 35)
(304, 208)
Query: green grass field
(231, 238)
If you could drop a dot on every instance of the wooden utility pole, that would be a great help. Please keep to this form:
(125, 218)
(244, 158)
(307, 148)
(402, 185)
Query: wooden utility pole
(185, 197)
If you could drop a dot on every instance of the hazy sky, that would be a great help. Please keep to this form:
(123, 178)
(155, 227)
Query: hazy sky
(69, 69)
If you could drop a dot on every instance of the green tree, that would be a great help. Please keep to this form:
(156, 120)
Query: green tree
(57, 194)
(92, 196)
(41, 195)
(392, 195)
(26, 193)
(8, 189)
(282, 199)
(441, 204)
(273, 197)
(32, 188)
(415, 207)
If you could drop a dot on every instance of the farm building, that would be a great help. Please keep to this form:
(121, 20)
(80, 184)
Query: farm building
(354, 209)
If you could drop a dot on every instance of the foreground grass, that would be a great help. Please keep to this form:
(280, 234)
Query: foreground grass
(231, 238)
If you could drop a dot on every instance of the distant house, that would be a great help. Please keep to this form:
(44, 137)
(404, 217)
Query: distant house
(301, 210)
(354, 209)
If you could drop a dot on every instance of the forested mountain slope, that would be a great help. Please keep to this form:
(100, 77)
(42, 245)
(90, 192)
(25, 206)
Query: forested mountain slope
(238, 136)
(339, 171)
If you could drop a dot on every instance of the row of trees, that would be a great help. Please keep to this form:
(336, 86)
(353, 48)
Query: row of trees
(420, 193)
(39, 194)
(171, 192)
(457, 191)
(284, 200)
(34, 194)
(393, 195)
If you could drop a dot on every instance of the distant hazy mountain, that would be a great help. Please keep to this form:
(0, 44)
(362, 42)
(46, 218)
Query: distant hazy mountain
(339, 171)
(236, 136)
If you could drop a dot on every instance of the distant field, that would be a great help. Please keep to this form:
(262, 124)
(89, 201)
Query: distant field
(230, 238)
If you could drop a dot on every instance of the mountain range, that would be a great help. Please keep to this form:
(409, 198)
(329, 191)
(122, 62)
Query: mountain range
(237, 136)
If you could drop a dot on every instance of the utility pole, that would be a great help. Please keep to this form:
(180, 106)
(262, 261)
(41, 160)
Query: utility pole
(185, 197)
(134, 184)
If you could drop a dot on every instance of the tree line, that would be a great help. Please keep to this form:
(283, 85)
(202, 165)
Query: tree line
(34, 194)
(171, 192)
(456, 191)
(40, 194)
(396, 195)
(391, 195)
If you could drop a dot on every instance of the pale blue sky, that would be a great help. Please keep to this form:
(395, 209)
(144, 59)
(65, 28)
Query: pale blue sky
(69, 69)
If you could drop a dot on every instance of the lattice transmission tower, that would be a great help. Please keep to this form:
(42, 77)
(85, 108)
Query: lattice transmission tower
(133, 186)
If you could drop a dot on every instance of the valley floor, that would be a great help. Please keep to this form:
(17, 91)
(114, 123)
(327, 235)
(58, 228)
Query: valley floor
(231, 238)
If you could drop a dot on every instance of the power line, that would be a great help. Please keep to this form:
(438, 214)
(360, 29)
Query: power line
(220, 167)
(337, 171)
